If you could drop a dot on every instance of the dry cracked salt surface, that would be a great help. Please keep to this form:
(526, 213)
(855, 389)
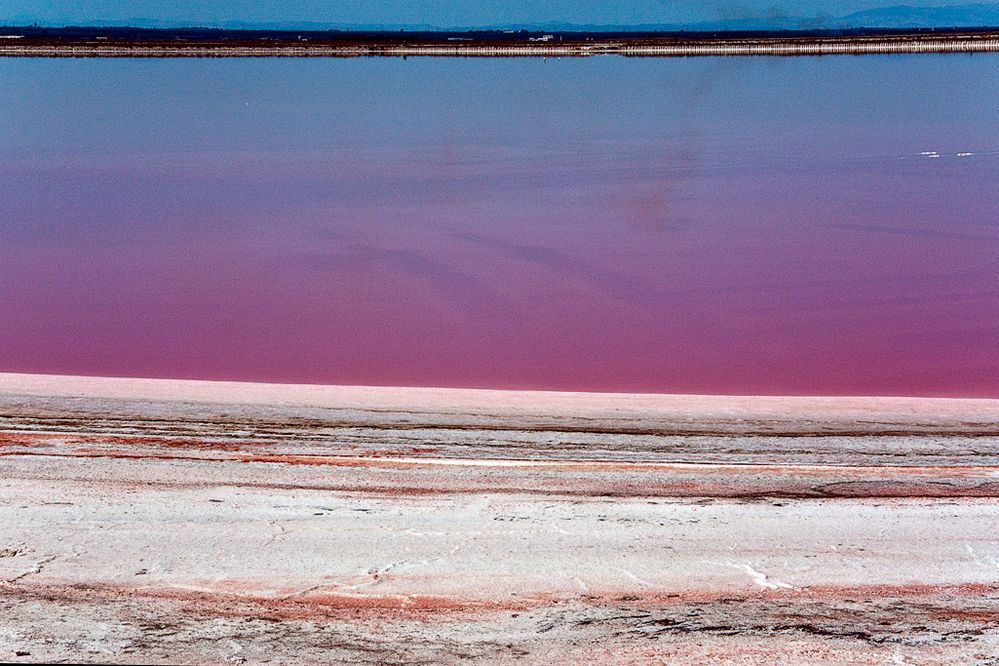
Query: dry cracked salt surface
(147, 521)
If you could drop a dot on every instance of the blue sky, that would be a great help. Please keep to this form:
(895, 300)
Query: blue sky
(438, 12)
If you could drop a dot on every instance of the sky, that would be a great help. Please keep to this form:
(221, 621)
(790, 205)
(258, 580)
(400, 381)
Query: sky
(443, 13)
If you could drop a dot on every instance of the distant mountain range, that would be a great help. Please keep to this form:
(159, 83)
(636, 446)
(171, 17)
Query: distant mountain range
(902, 16)
(977, 15)
(974, 16)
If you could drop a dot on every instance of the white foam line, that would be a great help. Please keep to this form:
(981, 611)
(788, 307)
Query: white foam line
(492, 401)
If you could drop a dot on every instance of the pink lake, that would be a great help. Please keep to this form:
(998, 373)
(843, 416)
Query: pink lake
(736, 226)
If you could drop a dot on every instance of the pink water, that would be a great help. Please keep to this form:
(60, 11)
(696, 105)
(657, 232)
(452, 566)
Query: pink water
(753, 226)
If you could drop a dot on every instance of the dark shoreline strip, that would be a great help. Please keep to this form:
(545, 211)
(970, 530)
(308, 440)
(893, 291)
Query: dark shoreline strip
(758, 47)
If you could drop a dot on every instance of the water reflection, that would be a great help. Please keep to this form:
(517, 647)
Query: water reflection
(808, 225)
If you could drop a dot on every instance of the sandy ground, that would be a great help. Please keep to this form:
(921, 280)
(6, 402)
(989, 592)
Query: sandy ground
(196, 522)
